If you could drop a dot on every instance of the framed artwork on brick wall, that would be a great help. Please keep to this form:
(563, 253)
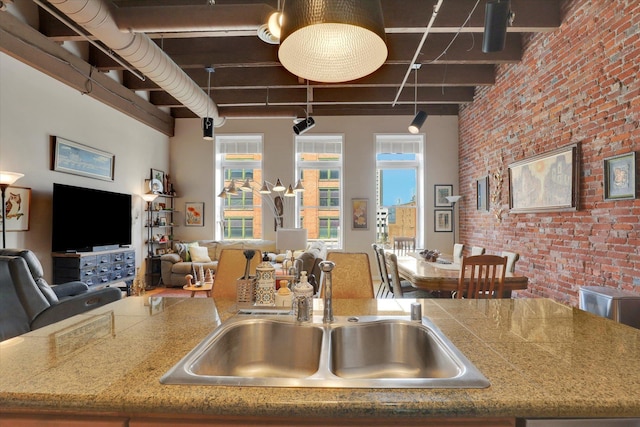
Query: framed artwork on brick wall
(620, 177)
(546, 182)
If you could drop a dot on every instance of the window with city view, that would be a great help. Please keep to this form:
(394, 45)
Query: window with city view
(239, 160)
(319, 165)
(399, 193)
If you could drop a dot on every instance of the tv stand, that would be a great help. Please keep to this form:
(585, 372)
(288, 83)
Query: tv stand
(98, 269)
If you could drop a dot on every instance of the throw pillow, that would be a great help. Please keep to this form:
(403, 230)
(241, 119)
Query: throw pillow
(183, 250)
(199, 254)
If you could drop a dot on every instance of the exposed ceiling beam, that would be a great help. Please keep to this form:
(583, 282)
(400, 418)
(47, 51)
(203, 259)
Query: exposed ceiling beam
(29, 46)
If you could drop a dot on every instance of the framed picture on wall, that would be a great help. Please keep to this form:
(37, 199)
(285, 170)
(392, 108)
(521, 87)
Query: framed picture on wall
(620, 177)
(442, 191)
(194, 214)
(546, 182)
(17, 208)
(443, 220)
(482, 193)
(360, 214)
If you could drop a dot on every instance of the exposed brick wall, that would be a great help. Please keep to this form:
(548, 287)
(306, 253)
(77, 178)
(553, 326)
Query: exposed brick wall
(580, 83)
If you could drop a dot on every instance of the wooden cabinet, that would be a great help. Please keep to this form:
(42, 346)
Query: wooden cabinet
(97, 269)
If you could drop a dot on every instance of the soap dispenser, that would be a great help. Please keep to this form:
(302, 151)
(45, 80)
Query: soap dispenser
(305, 290)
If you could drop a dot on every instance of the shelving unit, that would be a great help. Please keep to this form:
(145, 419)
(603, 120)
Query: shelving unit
(159, 225)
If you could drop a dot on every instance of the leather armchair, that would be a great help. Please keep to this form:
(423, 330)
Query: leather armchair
(28, 302)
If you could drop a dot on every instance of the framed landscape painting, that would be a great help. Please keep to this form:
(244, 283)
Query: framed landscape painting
(620, 177)
(546, 182)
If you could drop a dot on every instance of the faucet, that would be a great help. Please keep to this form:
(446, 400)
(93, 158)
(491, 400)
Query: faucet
(326, 267)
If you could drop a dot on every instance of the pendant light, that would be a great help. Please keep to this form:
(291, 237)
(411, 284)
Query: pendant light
(332, 40)
(207, 122)
(419, 116)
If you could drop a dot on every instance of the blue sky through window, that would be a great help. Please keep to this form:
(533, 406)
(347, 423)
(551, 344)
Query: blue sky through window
(398, 185)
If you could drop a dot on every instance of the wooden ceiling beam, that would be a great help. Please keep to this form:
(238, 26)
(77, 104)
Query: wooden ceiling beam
(31, 47)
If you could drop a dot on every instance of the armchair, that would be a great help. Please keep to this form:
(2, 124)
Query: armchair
(28, 302)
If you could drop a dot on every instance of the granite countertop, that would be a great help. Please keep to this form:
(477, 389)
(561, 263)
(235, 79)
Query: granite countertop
(543, 359)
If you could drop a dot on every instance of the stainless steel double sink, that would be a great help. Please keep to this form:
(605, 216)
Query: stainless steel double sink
(356, 352)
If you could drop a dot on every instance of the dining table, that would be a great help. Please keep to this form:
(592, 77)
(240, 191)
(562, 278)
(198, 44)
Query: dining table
(442, 275)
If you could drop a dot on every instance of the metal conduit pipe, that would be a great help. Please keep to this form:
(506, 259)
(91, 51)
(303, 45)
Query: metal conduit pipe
(141, 52)
(169, 19)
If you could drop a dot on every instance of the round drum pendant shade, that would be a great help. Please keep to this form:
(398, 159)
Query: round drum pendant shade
(332, 40)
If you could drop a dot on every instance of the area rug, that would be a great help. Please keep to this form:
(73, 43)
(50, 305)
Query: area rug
(176, 293)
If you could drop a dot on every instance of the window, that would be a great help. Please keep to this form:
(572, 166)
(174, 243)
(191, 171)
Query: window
(319, 165)
(399, 192)
(238, 228)
(238, 158)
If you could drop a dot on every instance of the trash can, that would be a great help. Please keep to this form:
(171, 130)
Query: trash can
(615, 304)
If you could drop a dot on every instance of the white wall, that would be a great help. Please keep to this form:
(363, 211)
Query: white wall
(193, 165)
(33, 107)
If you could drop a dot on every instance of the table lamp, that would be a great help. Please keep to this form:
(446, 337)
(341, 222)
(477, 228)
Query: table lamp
(291, 239)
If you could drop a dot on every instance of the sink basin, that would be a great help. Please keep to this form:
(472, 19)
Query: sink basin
(263, 349)
(351, 352)
(404, 350)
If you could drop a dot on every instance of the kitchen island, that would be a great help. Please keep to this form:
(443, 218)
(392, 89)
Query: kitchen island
(543, 359)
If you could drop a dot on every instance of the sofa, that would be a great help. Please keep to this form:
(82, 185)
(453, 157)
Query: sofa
(175, 266)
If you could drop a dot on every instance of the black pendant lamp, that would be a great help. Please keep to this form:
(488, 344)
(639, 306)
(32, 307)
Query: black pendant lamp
(419, 116)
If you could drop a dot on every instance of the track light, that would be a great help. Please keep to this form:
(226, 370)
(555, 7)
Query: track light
(303, 125)
(419, 116)
(207, 122)
(417, 122)
(497, 17)
(207, 128)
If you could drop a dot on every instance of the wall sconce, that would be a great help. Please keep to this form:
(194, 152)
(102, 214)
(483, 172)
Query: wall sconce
(6, 179)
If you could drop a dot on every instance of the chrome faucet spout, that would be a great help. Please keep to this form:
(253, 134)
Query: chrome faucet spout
(326, 267)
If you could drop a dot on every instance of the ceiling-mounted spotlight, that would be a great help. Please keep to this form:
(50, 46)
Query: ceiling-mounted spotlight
(207, 122)
(303, 125)
(207, 128)
(497, 17)
(419, 116)
(417, 122)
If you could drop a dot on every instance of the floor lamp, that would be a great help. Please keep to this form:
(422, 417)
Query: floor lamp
(6, 179)
(453, 200)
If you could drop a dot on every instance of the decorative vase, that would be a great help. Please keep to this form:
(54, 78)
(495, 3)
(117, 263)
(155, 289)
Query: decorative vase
(265, 284)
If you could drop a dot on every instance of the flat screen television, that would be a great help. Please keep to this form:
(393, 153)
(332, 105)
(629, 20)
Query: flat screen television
(86, 219)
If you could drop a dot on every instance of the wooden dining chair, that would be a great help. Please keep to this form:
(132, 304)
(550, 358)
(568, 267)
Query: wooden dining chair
(482, 276)
(404, 245)
(351, 277)
(401, 288)
(384, 289)
(477, 250)
(512, 257)
(230, 268)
